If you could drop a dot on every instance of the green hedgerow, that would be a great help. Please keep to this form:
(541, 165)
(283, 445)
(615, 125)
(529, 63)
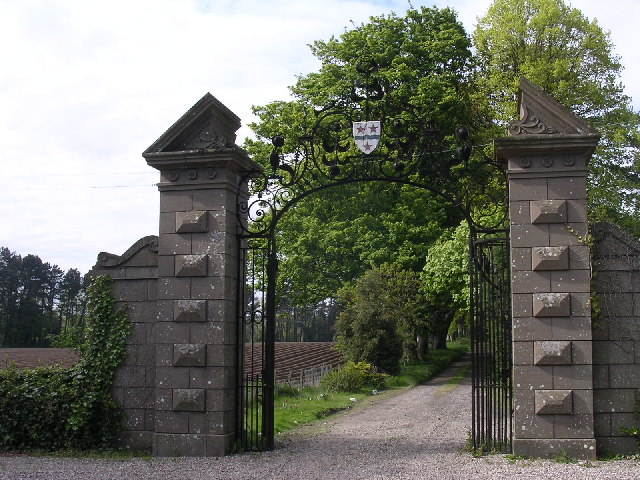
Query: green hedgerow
(53, 407)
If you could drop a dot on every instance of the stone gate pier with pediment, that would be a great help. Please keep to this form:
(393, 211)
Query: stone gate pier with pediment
(178, 383)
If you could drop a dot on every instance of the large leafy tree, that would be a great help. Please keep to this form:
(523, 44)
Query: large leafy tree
(569, 56)
(423, 65)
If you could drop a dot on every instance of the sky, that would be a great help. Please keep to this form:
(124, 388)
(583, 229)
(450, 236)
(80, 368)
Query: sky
(87, 85)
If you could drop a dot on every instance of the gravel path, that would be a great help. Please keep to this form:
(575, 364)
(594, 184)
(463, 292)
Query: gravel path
(419, 434)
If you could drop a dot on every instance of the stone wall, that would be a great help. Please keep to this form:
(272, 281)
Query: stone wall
(135, 276)
(616, 335)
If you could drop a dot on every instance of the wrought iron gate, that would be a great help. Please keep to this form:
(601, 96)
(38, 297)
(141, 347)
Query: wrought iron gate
(256, 344)
(491, 341)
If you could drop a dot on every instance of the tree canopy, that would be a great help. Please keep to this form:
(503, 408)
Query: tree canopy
(570, 57)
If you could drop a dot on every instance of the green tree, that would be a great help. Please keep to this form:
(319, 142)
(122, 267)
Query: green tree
(569, 56)
(423, 64)
(445, 282)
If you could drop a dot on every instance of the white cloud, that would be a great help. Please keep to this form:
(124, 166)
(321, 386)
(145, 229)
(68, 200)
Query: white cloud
(86, 86)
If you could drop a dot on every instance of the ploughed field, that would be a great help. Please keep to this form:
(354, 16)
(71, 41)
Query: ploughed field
(292, 358)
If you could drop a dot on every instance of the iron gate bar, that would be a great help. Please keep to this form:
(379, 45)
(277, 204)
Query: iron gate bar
(491, 341)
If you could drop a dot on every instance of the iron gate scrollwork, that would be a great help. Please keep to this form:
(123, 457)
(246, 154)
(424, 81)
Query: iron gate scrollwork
(408, 150)
(491, 349)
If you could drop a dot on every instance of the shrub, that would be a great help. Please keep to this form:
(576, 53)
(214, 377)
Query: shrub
(53, 407)
(353, 377)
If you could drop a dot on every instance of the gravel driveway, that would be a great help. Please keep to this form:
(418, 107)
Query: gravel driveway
(419, 434)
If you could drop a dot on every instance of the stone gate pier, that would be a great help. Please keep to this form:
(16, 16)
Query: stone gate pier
(178, 382)
(546, 158)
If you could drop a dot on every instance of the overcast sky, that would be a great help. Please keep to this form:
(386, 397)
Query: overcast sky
(86, 86)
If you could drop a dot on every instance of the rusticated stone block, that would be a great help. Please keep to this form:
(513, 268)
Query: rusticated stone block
(190, 311)
(189, 355)
(551, 305)
(554, 402)
(552, 353)
(188, 399)
(194, 221)
(550, 258)
(191, 265)
(548, 211)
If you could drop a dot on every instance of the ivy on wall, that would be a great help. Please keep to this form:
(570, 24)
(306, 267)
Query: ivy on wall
(54, 407)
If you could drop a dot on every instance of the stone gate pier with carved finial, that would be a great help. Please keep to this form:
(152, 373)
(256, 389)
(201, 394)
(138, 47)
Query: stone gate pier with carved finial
(546, 158)
(179, 382)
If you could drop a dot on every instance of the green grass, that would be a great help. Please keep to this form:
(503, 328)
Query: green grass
(311, 404)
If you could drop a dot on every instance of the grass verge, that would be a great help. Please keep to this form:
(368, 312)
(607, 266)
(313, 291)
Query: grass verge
(298, 407)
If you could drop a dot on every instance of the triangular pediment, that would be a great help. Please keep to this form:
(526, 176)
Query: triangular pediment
(207, 125)
(541, 114)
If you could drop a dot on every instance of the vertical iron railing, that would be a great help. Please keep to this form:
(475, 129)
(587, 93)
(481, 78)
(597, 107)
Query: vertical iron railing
(491, 341)
(256, 344)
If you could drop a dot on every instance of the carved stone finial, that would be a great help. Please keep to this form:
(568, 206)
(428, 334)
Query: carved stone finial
(541, 114)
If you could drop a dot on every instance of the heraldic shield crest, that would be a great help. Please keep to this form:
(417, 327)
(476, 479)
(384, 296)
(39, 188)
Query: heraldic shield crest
(366, 135)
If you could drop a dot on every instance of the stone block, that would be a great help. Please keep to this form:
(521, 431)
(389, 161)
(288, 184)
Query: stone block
(583, 402)
(191, 265)
(166, 266)
(583, 448)
(572, 281)
(532, 426)
(219, 445)
(130, 290)
(529, 236)
(519, 213)
(527, 189)
(213, 333)
(621, 328)
(624, 376)
(617, 445)
(573, 377)
(189, 355)
(194, 221)
(526, 329)
(601, 376)
(164, 355)
(552, 352)
(581, 304)
(170, 288)
(212, 377)
(179, 445)
(579, 257)
(548, 211)
(171, 422)
(141, 273)
(562, 234)
(616, 305)
(188, 400)
(620, 420)
(554, 402)
(190, 310)
(581, 353)
(170, 332)
(523, 402)
(529, 282)
(551, 304)
(172, 377)
(613, 352)
(612, 400)
(178, 201)
(520, 259)
(532, 377)
(567, 188)
(522, 305)
(136, 441)
(602, 424)
(549, 258)
(578, 425)
(577, 210)
(174, 244)
(522, 353)
(574, 328)
(222, 400)
(221, 355)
